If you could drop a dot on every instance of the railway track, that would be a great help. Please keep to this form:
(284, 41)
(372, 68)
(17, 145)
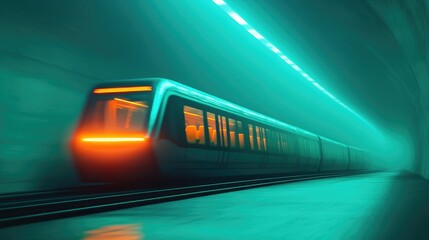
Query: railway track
(26, 208)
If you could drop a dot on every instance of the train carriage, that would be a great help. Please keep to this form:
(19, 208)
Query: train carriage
(136, 129)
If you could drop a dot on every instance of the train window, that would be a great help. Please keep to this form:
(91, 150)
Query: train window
(240, 134)
(219, 122)
(251, 140)
(268, 139)
(223, 132)
(117, 114)
(194, 125)
(282, 142)
(276, 142)
(272, 142)
(258, 137)
(211, 120)
(232, 132)
(264, 140)
(279, 142)
(285, 144)
(124, 114)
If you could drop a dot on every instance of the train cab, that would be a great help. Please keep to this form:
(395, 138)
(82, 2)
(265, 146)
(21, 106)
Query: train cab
(111, 143)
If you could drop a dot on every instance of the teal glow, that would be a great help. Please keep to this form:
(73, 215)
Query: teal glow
(237, 18)
(255, 34)
(286, 59)
(165, 87)
(219, 2)
(156, 105)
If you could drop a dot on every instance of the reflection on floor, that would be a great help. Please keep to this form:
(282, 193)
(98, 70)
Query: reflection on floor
(386, 205)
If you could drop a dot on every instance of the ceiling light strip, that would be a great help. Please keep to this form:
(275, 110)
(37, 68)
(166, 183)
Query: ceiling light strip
(274, 49)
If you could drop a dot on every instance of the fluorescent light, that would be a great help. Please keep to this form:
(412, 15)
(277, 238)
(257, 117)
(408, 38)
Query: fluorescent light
(237, 18)
(296, 67)
(219, 2)
(273, 48)
(255, 33)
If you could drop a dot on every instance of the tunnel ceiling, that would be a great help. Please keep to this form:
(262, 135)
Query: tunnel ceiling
(369, 54)
(372, 55)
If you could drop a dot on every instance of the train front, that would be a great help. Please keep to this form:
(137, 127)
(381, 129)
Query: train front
(111, 143)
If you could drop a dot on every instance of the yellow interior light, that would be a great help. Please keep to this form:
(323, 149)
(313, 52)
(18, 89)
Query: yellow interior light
(123, 89)
(193, 114)
(130, 102)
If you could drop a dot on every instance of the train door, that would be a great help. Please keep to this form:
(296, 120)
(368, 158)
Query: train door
(294, 151)
(260, 146)
(224, 141)
(321, 154)
(348, 157)
(264, 148)
(253, 145)
(283, 149)
(212, 138)
(196, 153)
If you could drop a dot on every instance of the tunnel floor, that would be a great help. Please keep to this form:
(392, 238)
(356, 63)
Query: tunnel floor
(386, 205)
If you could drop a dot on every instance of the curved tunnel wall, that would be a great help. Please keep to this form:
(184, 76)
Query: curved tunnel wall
(408, 22)
(52, 54)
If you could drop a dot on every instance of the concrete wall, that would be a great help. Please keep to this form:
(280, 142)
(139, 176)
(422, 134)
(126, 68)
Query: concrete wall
(408, 22)
(44, 79)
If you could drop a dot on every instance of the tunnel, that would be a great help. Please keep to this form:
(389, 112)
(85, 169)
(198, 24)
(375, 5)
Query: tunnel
(346, 73)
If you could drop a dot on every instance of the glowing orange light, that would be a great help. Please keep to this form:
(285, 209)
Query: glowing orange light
(123, 89)
(193, 114)
(113, 139)
(130, 102)
(124, 232)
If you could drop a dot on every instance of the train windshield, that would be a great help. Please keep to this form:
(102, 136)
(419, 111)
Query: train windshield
(117, 113)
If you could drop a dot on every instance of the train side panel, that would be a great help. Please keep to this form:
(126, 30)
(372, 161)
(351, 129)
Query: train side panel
(197, 140)
(335, 156)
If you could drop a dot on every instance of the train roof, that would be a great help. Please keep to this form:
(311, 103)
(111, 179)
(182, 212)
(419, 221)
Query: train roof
(163, 86)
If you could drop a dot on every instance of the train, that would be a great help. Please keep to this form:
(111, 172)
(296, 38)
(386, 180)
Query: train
(152, 128)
